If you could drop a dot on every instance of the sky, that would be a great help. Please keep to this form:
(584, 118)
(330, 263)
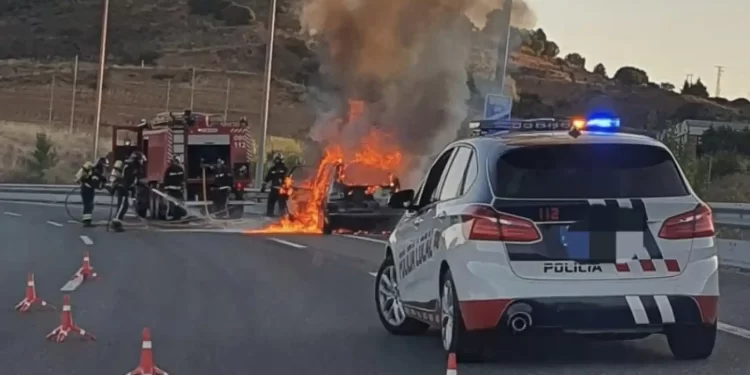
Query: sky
(668, 39)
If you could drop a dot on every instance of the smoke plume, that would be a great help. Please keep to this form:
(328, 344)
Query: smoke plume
(407, 60)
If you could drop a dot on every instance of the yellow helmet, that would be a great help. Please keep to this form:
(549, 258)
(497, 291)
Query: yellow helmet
(88, 165)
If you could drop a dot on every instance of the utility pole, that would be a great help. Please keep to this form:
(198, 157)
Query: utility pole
(73, 100)
(169, 92)
(719, 70)
(100, 82)
(226, 100)
(266, 94)
(51, 99)
(192, 90)
(689, 78)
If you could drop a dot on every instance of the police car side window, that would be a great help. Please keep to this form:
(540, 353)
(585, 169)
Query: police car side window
(471, 174)
(455, 176)
(433, 179)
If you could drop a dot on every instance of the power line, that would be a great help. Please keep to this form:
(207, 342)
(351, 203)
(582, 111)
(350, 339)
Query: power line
(719, 71)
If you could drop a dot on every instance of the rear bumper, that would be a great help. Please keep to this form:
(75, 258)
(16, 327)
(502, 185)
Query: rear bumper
(594, 315)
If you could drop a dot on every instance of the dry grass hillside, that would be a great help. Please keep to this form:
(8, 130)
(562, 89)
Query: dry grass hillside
(225, 40)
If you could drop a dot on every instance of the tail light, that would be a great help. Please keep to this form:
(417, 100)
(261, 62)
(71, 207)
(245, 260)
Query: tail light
(693, 224)
(483, 223)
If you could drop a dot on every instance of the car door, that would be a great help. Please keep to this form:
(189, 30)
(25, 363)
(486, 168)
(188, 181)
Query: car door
(429, 240)
(412, 252)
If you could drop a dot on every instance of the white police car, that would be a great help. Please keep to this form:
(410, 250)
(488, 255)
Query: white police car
(584, 231)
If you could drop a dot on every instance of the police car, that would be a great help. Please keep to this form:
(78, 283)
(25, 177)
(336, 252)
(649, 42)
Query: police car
(567, 226)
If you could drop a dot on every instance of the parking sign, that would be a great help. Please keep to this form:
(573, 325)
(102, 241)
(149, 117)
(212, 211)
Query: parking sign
(497, 107)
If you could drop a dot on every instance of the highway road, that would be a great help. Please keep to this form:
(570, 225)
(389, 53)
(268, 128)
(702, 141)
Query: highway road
(234, 304)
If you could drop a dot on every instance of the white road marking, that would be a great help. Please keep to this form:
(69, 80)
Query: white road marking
(373, 274)
(73, 284)
(54, 223)
(72, 222)
(87, 241)
(288, 243)
(11, 213)
(375, 240)
(737, 331)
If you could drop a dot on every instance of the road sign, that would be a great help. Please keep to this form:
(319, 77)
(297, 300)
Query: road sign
(497, 107)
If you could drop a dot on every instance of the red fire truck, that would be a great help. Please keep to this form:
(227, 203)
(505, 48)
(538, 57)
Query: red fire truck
(198, 139)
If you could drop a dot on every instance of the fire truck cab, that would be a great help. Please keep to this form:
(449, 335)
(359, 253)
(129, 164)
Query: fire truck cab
(199, 140)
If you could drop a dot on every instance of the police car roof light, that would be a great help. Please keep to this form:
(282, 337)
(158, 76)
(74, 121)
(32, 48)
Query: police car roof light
(603, 123)
(545, 124)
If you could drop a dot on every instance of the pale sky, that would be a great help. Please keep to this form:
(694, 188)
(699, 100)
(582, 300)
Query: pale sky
(666, 38)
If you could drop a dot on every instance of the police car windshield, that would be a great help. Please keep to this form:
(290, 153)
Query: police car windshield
(588, 171)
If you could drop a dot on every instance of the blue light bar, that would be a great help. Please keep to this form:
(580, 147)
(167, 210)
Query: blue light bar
(486, 127)
(603, 123)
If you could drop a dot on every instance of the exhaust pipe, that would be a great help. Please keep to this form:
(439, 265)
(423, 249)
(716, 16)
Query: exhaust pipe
(519, 318)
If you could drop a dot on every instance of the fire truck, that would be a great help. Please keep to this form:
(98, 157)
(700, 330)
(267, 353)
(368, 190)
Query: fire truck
(199, 140)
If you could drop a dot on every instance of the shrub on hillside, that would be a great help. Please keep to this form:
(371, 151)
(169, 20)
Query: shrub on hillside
(600, 70)
(629, 75)
(41, 159)
(575, 59)
(694, 89)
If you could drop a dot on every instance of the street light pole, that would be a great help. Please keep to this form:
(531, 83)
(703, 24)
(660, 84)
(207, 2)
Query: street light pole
(100, 83)
(266, 94)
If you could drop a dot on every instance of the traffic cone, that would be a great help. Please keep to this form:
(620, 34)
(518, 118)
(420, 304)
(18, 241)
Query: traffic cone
(451, 365)
(86, 270)
(31, 297)
(146, 365)
(67, 325)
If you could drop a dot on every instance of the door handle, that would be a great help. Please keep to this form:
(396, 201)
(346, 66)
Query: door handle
(441, 215)
(418, 221)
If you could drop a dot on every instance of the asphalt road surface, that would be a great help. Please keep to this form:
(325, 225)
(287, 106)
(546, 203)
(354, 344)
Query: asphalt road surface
(233, 304)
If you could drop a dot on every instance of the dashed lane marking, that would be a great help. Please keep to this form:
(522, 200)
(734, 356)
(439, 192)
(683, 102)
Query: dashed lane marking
(72, 222)
(373, 274)
(737, 331)
(11, 213)
(288, 243)
(54, 223)
(72, 284)
(375, 240)
(87, 241)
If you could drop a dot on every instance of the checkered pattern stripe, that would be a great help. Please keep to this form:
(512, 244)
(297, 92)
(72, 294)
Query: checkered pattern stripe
(426, 316)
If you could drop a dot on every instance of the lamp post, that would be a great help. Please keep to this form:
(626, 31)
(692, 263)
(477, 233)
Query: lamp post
(100, 83)
(266, 94)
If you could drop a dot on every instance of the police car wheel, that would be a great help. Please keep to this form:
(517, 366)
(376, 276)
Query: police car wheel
(692, 342)
(389, 305)
(456, 339)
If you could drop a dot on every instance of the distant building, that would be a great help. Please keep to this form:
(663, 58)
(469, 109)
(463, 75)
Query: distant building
(690, 131)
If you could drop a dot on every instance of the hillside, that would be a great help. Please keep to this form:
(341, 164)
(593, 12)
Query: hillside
(223, 36)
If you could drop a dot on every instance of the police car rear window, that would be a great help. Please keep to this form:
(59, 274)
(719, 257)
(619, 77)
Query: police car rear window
(588, 171)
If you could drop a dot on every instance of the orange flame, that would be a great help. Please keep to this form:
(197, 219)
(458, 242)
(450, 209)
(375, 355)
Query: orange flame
(376, 152)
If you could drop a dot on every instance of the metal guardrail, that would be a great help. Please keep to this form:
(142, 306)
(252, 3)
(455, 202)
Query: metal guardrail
(736, 215)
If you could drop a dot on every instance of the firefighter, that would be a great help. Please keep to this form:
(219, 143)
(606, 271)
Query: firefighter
(223, 182)
(174, 180)
(275, 177)
(91, 178)
(394, 182)
(123, 180)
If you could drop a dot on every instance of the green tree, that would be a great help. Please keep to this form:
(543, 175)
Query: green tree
(685, 88)
(667, 86)
(600, 70)
(41, 159)
(724, 164)
(551, 49)
(540, 35)
(696, 169)
(575, 59)
(629, 75)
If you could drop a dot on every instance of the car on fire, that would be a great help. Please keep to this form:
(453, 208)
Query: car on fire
(566, 226)
(348, 206)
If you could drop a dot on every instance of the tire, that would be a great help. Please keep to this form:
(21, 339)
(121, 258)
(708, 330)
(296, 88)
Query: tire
(397, 325)
(692, 342)
(453, 334)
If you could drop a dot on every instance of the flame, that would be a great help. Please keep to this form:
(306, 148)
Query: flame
(372, 161)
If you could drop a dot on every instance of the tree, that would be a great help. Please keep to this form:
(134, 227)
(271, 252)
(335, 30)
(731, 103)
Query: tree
(666, 86)
(600, 70)
(551, 49)
(575, 59)
(540, 35)
(685, 88)
(631, 76)
(41, 159)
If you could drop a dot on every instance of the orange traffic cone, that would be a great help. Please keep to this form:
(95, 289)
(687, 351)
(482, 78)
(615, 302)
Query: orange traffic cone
(86, 270)
(31, 297)
(147, 366)
(67, 325)
(451, 365)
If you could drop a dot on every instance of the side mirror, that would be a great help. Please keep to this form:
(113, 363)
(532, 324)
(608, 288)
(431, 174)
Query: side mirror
(401, 199)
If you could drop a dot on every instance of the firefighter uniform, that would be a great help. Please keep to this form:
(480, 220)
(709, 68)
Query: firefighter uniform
(275, 177)
(223, 182)
(90, 177)
(174, 180)
(123, 179)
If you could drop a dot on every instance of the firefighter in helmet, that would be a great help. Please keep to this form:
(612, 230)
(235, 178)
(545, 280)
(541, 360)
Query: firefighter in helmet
(123, 180)
(174, 182)
(90, 178)
(223, 182)
(275, 177)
